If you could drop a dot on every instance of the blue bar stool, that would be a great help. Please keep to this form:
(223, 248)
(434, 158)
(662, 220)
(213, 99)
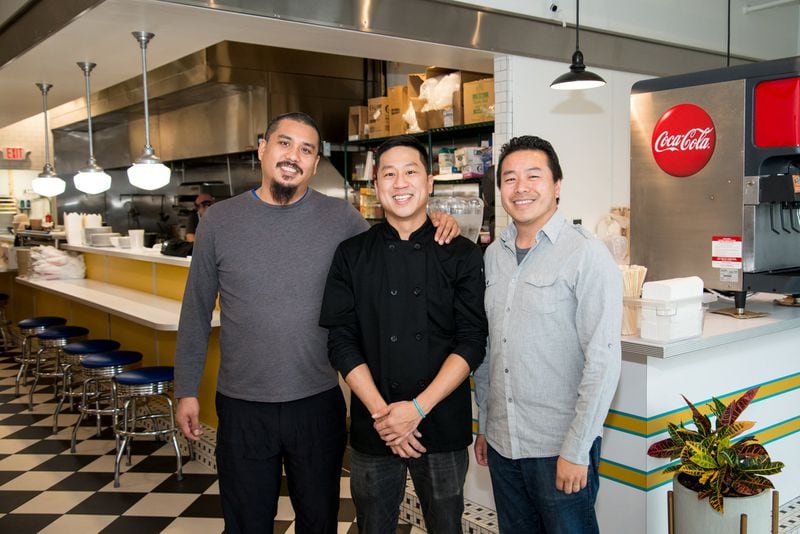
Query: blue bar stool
(145, 384)
(5, 333)
(50, 361)
(28, 330)
(72, 354)
(97, 391)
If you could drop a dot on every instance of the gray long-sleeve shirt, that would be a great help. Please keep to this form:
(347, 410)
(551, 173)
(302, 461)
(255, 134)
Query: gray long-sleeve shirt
(268, 264)
(554, 355)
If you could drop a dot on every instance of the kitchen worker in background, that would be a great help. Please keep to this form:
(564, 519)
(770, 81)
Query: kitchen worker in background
(201, 204)
(407, 326)
(554, 304)
(266, 253)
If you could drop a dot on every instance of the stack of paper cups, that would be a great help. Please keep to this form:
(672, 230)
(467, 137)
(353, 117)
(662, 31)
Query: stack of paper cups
(137, 238)
(73, 226)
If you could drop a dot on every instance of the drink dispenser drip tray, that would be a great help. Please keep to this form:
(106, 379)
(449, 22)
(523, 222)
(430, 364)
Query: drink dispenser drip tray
(737, 313)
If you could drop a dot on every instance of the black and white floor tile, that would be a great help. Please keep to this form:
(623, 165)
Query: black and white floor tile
(45, 488)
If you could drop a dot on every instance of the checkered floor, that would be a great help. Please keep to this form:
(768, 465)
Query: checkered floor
(45, 488)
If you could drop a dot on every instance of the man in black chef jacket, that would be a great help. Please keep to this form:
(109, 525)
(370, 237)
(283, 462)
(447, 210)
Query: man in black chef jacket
(406, 326)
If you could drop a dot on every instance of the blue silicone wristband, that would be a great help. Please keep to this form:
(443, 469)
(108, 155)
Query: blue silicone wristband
(419, 409)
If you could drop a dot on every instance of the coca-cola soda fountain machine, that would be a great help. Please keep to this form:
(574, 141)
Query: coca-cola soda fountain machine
(715, 177)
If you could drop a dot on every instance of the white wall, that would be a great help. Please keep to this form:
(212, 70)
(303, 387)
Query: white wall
(768, 34)
(589, 130)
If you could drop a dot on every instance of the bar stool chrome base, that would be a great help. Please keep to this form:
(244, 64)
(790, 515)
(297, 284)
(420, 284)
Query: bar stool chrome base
(5, 333)
(28, 330)
(97, 389)
(50, 361)
(145, 384)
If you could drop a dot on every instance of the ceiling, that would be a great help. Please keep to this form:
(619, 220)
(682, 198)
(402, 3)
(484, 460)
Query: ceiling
(103, 35)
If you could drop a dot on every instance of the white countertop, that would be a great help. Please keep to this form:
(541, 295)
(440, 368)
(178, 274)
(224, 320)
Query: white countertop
(143, 254)
(721, 329)
(153, 311)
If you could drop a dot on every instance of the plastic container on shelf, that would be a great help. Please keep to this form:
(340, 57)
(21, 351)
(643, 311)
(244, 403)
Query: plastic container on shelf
(666, 321)
(369, 206)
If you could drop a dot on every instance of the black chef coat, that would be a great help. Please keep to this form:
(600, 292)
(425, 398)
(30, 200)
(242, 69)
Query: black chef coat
(402, 307)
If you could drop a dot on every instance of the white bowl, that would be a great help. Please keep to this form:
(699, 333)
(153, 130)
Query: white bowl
(103, 240)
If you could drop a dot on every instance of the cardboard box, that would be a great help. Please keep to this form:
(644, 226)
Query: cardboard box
(398, 103)
(478, 101)
(439, 118)
(378, 110)
(357, 123)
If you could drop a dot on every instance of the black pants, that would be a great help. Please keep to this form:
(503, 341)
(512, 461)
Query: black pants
(307, 437)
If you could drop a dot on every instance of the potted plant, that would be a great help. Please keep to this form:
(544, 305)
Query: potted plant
(714, 465)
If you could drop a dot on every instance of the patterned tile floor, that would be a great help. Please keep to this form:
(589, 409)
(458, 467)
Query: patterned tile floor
(45, 488)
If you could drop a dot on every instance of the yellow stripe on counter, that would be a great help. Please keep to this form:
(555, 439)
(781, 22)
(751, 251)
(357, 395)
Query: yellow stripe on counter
(648, 427)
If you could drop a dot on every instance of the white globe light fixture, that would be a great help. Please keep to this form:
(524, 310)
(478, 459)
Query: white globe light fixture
(91, 180)
(147, 172)
(47, 184)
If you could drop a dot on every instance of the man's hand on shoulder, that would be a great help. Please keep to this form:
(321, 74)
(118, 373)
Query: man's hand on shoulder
(570, 478)
(187, 415)
(446, 225)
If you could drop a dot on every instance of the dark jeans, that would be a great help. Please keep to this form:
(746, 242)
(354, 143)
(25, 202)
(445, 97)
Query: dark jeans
(527, 499)
(306, 437)
(377, 484)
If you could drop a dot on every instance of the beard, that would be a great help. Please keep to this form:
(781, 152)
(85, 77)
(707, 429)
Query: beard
(282, 194)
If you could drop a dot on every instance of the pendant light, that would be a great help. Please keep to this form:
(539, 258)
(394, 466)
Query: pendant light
(147, 172)
(91, 179)
(47, 184)
(577, 77)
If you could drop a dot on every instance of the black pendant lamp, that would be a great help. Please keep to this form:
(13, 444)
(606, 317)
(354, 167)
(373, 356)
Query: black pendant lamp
(577, 77)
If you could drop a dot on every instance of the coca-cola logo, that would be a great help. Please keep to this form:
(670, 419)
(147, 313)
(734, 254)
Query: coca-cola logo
(683, 140)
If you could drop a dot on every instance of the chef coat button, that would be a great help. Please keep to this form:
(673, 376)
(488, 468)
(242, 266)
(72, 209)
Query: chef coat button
(417, 246)
(391, 247)
(417, 291)
(421, 384)
(509, 400)
(395, 385)
(418, 336)
(609, 345)
(393, 339)
(506, 370)
(504, 340)
(393, 292)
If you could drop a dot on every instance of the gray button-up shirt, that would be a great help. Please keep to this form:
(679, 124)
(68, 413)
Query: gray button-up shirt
(554, 356)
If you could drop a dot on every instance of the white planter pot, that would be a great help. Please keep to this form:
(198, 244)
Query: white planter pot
(695, 516)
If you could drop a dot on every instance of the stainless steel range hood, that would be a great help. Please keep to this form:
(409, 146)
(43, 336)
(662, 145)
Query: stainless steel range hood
(214, 101)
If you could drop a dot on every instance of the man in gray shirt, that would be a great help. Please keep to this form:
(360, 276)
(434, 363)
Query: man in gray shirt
(554, 303)
(266, 254)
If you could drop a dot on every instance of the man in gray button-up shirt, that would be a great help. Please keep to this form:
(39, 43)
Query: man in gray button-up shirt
(554, 304)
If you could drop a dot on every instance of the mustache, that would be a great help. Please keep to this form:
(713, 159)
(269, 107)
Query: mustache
(289, 164)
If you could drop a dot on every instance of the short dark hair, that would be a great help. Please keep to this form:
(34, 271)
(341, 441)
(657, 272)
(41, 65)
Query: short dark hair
(402, 140)
(530, 142)
(297, 116)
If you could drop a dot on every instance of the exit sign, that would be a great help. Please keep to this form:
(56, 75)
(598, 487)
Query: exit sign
(14, 153)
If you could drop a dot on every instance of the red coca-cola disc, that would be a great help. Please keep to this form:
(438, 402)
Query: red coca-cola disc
(683, 140)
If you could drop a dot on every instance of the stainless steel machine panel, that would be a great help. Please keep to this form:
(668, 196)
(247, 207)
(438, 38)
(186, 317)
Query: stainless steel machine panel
(673, 220)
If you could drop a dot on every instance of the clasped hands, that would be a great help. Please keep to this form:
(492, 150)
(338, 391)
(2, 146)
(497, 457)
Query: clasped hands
(397, 424)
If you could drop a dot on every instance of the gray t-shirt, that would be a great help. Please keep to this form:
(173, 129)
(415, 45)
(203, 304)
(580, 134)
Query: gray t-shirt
(268, 264)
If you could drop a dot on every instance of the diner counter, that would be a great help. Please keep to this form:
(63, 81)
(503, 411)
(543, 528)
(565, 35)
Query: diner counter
(722, 329)
(143, 254)
(153, 311)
